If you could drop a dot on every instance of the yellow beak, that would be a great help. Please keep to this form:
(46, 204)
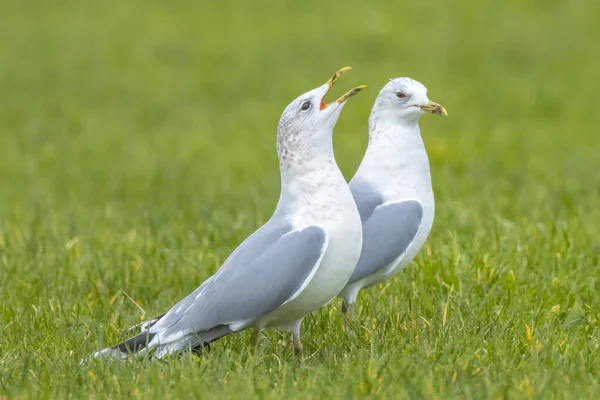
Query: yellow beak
(350, 93)
(435, 108)
(344, 97)
(336, 76)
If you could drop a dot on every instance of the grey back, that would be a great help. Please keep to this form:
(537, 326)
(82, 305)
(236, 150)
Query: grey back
(365, 196)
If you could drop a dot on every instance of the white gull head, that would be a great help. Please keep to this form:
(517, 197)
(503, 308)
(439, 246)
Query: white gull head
(305, 129)
(403, 101)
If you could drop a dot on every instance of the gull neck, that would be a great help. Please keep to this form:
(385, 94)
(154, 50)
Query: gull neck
(396, 157)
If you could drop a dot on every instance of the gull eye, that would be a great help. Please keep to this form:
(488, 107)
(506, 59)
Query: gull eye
(400, 95)
(305, 106)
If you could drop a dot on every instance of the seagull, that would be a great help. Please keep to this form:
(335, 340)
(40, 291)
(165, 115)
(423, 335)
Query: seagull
(392, 187)
(294, 264)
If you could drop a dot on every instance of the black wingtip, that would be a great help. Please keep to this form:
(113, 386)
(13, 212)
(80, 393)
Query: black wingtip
(136, 343)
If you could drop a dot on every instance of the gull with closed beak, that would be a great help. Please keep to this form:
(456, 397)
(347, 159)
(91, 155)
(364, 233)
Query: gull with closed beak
(392, 187)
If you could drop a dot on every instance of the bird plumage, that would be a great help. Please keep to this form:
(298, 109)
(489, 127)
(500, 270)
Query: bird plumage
(392, 187)
(297, 262)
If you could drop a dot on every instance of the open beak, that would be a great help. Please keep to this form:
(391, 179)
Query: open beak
(434, 108)
(344, 97)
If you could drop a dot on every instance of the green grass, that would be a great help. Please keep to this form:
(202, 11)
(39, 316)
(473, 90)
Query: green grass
(137, 151)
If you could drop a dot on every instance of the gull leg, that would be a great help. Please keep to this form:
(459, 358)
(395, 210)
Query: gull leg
(348, 311)
(296, 338)
(349, 298)
(255, 338)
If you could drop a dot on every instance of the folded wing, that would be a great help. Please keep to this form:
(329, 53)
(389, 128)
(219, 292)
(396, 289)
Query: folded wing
(387, 233)
(247, 288)
(270, 268)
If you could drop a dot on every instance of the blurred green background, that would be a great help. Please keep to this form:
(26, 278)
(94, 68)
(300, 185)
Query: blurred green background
(137, 149)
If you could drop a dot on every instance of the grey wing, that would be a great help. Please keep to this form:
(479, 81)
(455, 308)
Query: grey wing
(365, 196)
(246, 288)
(259, 241)
(387, 233)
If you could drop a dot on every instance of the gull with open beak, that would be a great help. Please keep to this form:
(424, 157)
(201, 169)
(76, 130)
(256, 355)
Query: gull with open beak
(392, 187)
(295, 263)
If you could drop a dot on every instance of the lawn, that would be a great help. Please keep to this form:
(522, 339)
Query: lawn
(137, 150)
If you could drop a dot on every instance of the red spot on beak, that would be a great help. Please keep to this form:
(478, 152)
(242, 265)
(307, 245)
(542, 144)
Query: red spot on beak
(323, 105)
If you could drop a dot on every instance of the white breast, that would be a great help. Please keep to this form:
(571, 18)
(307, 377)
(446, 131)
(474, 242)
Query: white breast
(331, 207)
